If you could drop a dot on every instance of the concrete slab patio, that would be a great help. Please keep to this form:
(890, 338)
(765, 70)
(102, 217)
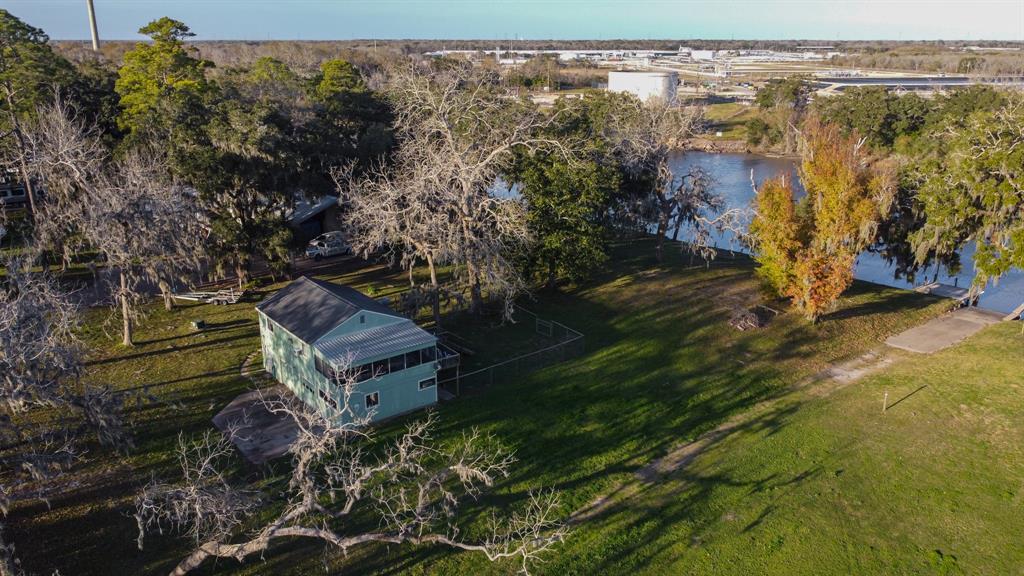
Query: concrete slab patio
(944, 331)
(262, 435)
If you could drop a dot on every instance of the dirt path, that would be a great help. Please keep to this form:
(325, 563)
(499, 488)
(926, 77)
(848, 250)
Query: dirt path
(934, 335)
(252, 370)
(820, 385)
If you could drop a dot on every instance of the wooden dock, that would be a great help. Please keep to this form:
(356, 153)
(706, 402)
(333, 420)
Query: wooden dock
(1016, 314)
(961, 295)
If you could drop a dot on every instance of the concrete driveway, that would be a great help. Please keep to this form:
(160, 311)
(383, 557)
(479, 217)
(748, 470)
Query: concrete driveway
(944, 331)
(260, 435)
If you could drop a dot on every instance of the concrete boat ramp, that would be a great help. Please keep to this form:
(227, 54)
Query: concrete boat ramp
(944, 331)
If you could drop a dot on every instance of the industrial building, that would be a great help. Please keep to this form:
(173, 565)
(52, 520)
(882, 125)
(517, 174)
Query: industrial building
(645, 85)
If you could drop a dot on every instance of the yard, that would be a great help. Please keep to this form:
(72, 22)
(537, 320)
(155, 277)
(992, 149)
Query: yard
(818, 477)
(832, 485)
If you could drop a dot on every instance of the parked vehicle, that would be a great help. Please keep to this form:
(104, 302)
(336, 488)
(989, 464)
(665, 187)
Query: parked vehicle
(326, 245)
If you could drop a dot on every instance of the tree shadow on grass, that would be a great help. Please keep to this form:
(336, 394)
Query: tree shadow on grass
(886, 300)
(209, 329)
(661, 368)
(172, 349)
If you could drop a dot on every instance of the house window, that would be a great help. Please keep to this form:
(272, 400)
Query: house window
(428, 354)
(270, 326)
(362, 318)
(328, 399)
(412, 359)
(428, 383)
(380, 368)
(396, 363)
(325, 368)
(363, 372)
(372, 400)
(308, 387)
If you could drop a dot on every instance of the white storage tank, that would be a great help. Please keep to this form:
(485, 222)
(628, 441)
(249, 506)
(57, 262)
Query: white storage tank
(645, 85)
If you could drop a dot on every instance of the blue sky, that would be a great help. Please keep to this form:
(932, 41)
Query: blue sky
(562, 19)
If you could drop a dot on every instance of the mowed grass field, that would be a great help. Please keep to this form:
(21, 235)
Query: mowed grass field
(829, 484)
(729, 118)
(818, 480)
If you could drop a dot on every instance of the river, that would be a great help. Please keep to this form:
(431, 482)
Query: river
(731, 174)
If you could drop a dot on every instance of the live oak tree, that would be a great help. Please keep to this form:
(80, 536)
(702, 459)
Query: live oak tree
(781, 104)
(905, 218)
(568, 199)
(807, 249)
(564, 204)
(913, 131)
(347, 489)
(242, 166)
(973, 191)
(458, 132)
(877, 114)
(644, 135)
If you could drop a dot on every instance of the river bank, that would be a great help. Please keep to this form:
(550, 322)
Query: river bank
(732, 174)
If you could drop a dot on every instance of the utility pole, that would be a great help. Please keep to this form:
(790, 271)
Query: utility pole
(92, 27)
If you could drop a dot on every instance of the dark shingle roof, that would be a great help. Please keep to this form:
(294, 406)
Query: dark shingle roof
(310, 308)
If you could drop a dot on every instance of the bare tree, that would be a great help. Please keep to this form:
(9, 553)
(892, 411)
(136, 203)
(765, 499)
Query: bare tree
(46, 413)
(644, 134)
(398, 211)
(702, 211)
(146, 229)
(458, 132)
(143, 226)
(412, 486)
(65, 156)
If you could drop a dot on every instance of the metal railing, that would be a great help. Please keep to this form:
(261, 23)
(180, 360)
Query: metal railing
(568, 343)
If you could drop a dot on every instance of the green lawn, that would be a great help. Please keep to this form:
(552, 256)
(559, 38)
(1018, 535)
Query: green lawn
(831, 485)
(812, 486)
(730, 118)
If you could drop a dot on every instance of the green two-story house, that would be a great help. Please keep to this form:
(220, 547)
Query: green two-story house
(315, 333)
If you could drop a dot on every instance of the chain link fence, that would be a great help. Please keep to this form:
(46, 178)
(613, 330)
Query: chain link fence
(565, 343)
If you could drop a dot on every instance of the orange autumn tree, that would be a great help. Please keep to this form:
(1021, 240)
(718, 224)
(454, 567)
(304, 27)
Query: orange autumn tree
(807, 248)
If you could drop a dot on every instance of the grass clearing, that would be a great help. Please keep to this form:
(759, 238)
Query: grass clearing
(662, 366)
(729, 118)
(831, 485)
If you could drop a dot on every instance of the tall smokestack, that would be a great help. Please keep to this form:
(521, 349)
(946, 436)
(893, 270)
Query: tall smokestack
(92, 26)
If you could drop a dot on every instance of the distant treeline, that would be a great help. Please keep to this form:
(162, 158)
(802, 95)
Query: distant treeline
(938, 60)
(933, 56)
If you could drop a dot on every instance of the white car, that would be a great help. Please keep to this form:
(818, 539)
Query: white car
(326, 245)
